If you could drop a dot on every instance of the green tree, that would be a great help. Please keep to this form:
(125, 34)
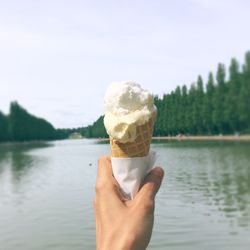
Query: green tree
(183, 109)
(208, 105)
(192, 112)
(178, 116)
(3, 127)
(231, 111)
(219, 99)
(98, 129)
(160, 128)
(199, 102)
(222, 108)
(26, 127)
(244, 95)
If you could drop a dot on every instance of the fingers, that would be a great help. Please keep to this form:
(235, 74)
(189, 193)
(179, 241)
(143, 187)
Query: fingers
(107, 189)
(105, 179)
(104, 173)
(151, 184)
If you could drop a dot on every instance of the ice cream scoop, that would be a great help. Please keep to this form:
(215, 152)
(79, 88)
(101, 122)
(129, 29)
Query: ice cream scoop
(128, 107)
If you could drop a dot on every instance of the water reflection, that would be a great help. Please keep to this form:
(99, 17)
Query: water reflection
(18, 158)
(216, 175)
(231, 183)
(3, 159)
(48, 192)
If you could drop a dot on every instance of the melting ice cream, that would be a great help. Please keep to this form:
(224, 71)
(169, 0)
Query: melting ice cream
(128, 106)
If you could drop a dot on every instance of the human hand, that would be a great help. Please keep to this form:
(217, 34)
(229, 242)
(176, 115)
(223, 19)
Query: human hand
(123, 224)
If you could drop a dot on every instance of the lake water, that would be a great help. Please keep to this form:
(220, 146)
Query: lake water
(46, 193)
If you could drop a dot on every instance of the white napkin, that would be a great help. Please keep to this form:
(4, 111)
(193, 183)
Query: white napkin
(130, 172)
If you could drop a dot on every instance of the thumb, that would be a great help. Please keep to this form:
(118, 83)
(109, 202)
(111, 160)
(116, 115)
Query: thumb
(151, 184)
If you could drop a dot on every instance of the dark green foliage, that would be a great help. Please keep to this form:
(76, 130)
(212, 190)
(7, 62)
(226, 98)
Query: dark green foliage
(221, 106)
(19, 125)
(4, 130)
(26, 127)
(63, 133)
(231, 112)
(244, 95)
(207, 108)
(96, 130)
(224, 106)
(219, 100)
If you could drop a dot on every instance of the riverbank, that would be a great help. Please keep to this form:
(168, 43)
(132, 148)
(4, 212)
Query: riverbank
(196, 138)
(204, 138)
(154, 138)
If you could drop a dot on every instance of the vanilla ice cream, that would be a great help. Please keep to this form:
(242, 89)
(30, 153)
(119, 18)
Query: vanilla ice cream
(127, 107)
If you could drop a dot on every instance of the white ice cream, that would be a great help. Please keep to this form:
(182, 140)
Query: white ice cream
(127, 106)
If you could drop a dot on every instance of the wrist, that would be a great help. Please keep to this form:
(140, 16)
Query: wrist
(119, 243)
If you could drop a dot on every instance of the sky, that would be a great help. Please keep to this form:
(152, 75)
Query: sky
(57, 57)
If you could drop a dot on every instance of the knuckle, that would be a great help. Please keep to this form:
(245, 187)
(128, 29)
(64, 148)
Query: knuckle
(149, 187)
(100, 160)
(148, 205)
(102, 186)
(103, 158)
(99, 187)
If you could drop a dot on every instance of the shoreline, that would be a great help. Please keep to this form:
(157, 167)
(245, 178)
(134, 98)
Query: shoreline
(203, 138)
(245, 138)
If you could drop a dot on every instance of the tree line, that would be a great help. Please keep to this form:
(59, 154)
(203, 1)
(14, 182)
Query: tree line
(20, 125)
(219, 106)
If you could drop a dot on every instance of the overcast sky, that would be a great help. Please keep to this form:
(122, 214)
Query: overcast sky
(58, 57)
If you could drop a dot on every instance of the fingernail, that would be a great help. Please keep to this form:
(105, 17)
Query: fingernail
(158, 172)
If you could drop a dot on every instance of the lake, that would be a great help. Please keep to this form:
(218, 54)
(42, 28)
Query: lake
(46, 193)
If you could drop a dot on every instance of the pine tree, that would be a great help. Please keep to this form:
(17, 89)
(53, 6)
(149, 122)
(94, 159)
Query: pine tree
(208, 105)
(26, 127)
(223, 108)
(184, 103)
(178, 117)
(218, 99)
(3, 127)
(199, 102)
(244, 95)
(231, 113)
(192, 111)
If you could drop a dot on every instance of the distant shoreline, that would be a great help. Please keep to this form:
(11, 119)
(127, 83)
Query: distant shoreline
(197, 138)
(204, 138)
(245, 138)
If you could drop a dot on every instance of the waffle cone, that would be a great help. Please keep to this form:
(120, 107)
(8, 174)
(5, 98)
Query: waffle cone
(139, 147)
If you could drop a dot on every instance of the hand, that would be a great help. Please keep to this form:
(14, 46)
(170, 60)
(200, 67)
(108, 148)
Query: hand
(123, 224)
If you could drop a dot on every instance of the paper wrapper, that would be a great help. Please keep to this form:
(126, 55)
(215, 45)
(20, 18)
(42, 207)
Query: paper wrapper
(130, 172)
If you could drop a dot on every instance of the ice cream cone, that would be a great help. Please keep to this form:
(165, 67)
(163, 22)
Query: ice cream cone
(139, 147)
(129, 120)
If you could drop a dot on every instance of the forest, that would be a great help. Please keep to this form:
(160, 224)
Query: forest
(221, 105)
(19, 125)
